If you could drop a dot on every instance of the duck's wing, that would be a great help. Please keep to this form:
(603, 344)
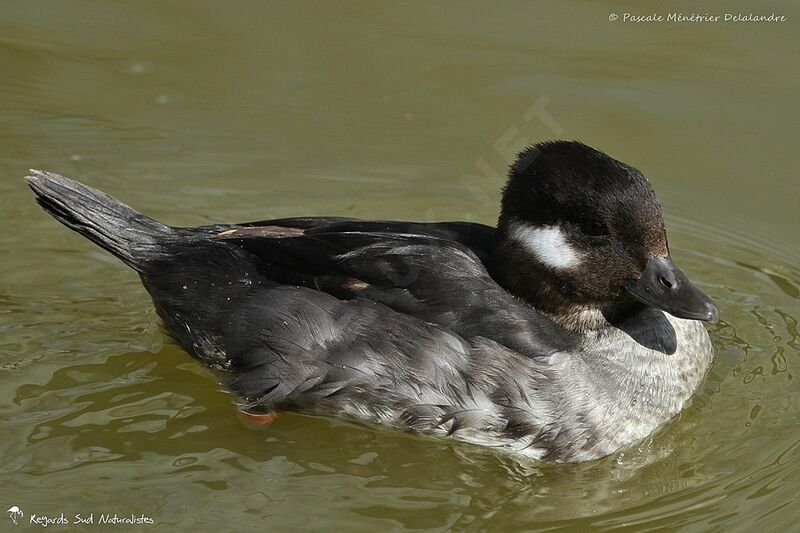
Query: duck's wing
(436, 279)
(477, 237)
(293, 347)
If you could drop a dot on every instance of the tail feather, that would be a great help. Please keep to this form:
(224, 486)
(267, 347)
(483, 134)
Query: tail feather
(129, 235)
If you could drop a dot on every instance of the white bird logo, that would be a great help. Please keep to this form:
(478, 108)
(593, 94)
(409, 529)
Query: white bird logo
(15, 512)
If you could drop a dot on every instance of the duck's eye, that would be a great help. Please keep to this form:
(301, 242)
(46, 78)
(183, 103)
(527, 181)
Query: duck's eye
(594, 228)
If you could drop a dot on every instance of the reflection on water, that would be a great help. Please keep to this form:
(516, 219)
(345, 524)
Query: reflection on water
(195, 113)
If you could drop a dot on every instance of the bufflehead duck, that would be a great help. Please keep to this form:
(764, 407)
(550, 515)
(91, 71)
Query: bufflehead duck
(563, 334)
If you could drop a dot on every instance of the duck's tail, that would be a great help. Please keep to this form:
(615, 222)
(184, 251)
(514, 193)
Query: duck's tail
(134, 238)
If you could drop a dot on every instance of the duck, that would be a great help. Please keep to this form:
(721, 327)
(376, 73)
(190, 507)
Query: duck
(564, 333)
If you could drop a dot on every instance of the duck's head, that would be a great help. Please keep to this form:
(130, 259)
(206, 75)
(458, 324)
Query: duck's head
(580, 231)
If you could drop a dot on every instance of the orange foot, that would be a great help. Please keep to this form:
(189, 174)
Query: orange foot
(258, 419)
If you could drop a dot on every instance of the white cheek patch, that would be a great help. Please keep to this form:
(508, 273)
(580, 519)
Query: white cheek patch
(547, 244)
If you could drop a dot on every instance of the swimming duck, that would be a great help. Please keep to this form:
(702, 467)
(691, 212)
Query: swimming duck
(563, 334)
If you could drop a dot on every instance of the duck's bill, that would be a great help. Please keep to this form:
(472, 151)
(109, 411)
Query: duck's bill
(664, 286)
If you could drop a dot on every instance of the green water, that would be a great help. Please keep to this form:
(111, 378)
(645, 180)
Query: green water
(218, 111)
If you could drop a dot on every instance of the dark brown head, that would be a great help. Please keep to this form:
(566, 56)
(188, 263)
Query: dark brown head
(579, 229)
